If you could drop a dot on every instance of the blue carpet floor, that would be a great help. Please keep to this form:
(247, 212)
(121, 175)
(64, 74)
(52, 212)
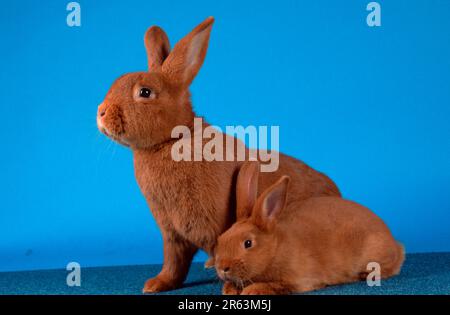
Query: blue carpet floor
(421, 274)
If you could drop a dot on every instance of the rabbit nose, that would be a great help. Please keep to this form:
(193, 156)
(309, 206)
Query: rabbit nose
(102, 109)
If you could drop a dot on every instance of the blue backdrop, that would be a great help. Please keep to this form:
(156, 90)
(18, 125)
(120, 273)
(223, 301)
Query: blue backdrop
(368, 106)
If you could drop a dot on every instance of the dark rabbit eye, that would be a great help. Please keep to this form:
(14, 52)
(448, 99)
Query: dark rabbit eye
(145, 92)
(248, 244)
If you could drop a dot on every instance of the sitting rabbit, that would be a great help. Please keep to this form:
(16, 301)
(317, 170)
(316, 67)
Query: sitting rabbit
(280, 248)
(192, 201)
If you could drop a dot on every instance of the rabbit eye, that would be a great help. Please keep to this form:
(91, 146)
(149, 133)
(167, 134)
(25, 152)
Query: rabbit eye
(145, 93)
(248, 244)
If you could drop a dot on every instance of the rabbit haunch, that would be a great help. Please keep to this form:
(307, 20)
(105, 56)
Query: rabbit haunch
(232, 150)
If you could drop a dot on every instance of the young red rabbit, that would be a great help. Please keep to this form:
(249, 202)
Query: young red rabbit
(190, 200)
(279, 248)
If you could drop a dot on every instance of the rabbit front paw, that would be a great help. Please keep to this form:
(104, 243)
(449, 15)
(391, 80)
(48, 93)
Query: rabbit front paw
(262, 288)
(230, 289)
(210, 263)
(157, 284)
(258, 289)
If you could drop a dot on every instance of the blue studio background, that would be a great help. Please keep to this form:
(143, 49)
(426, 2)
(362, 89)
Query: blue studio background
(368, 106)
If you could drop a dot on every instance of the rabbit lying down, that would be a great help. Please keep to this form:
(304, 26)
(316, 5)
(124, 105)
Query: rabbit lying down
(275, 248)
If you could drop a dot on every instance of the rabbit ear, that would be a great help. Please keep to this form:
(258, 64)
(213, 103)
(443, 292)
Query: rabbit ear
(157, 46)
(187, 56)
(247, 189)
(273, 201)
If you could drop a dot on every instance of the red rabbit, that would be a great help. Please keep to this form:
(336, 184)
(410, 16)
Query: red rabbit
(280, 248)
(192, 201)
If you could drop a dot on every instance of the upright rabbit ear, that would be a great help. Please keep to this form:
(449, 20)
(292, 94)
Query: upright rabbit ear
(247, 189)
(188, 55)
(272, 202)
(157, 46)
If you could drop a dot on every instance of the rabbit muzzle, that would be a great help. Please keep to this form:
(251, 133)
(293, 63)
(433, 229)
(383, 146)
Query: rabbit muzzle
(110, 122)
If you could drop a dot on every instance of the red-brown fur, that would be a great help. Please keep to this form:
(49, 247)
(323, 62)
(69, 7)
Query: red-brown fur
(300, 246)
(192, 202)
